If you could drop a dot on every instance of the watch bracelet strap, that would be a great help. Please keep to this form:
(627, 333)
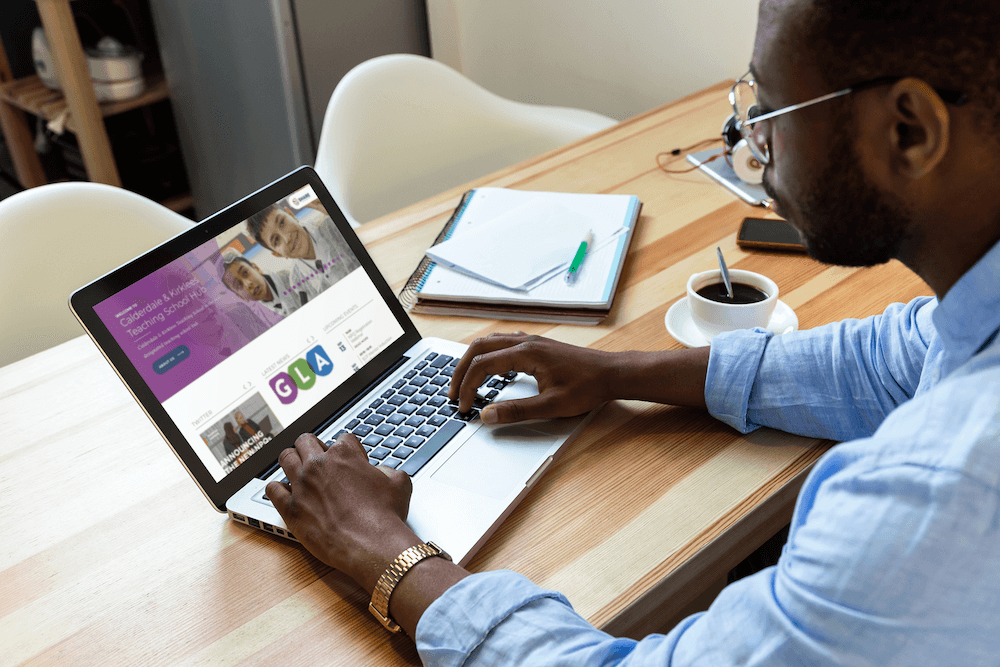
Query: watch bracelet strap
(379, 605)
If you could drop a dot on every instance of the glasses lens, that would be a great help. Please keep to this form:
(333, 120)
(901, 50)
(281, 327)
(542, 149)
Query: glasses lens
(758, 145)
(744, 101)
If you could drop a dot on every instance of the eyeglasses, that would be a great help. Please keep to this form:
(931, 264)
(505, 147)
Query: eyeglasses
(743, 97)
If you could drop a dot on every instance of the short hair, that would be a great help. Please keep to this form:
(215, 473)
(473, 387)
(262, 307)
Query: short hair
(950, 44)
(255, 224)
(230, 257)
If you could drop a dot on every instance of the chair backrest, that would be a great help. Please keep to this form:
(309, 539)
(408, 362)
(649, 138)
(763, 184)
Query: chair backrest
(59, 237)
(401, 128)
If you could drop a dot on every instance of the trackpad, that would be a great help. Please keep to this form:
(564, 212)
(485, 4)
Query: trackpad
(496, 460)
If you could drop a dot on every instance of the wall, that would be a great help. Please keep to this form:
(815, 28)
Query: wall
(616, 57)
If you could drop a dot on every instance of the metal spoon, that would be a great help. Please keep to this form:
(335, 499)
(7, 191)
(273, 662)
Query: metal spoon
(725, 272)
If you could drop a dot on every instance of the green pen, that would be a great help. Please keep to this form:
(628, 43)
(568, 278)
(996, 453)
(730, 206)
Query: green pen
(581, 254)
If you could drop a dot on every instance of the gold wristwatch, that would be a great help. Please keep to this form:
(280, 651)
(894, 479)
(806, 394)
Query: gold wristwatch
(379, 606)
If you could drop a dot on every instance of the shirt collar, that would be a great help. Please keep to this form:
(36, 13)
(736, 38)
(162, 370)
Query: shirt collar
(969, 314)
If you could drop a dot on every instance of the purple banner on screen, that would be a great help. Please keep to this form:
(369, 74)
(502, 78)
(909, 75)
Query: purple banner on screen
(181, 321)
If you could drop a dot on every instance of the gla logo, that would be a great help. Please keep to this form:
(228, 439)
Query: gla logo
(302, 374)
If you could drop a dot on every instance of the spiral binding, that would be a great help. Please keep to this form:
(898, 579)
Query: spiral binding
(408, 295)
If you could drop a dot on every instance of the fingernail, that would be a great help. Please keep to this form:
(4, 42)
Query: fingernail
(489, 415)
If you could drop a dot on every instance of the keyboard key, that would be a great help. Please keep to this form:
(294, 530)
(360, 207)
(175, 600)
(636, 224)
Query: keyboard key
(402, 452)
(364, 413)
(368, 448)
(447, 371)
(466, 416)
(442, 360)
(397, 400)
(362, 430)
(407, 409)
(437, 420)
(374, 420)
(429, 390)
(418, 381)
(378, 401)
(426, 431)
(453, 362)
(403, 432)
(392, 441)
(417, 399)
(398, 383)
(410, 374)
(440, 380)
(414, 442)
(492, 383)
(420, 457)
(437, 401)
(408, 390)
(429, 372)
(426, 411)
(443, 391)
(420, 365)
(395, 419)
(386, 410)
(491, 394)
(511, 375)
(447, 410)
(379, 453)
(431, 356)
(415, 421)
(372, 441)
(374, 462)
(391, 462)
(351, 424)
(385, 429)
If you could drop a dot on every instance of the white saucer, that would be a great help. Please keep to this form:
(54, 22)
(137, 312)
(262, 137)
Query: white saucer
(682, 327)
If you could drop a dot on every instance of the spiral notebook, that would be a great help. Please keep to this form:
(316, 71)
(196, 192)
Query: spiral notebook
(438, 290)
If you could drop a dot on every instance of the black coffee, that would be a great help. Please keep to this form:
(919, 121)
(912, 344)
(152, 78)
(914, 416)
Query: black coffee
(741, 293)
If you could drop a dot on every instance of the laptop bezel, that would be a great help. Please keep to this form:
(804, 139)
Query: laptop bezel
(84, 300)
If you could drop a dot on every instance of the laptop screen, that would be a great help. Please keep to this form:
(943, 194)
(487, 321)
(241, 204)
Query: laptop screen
(240, 335)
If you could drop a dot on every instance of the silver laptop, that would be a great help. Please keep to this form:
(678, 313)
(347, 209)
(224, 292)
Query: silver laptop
(234, 347)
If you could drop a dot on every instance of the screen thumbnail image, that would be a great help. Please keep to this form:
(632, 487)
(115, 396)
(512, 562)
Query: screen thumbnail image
(234, 438)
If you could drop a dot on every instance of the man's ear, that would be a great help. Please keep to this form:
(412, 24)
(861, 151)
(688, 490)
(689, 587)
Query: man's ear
(920, 129)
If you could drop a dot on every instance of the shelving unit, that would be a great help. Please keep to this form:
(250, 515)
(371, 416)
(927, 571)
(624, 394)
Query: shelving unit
(86, 116)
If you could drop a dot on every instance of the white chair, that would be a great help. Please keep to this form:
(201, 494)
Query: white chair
(59, 237)
(401, 128)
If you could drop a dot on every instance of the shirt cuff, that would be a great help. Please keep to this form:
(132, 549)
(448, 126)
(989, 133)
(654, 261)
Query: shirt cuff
(732, 369)
(458, 622)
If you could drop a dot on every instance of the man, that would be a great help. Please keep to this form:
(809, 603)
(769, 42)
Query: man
(894, 547)
(273, 290)
(320, 254)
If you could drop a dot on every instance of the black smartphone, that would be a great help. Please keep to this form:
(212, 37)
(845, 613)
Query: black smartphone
(769, 234)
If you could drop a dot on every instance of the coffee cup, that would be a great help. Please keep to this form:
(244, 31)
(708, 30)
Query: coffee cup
(713, 311)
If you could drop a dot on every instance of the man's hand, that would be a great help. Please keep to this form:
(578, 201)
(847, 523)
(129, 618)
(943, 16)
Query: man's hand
(571, 380)
(346, 512)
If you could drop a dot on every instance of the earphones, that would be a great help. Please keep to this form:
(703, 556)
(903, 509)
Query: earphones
(747, 167)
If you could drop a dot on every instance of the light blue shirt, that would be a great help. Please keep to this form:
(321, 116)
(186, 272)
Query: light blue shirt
(893, 556)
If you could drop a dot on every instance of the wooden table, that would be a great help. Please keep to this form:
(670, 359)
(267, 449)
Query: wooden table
(110, 554)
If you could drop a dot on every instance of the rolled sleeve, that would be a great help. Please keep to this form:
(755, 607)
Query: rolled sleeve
(732, 369)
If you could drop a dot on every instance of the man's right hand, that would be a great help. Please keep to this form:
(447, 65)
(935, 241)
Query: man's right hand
(574, 380)
(571, 380)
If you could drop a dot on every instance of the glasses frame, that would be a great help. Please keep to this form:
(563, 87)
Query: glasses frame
(763, 154)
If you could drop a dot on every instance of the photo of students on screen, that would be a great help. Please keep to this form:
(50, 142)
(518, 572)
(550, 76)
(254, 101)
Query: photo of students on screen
(273, 290)
(309, 239)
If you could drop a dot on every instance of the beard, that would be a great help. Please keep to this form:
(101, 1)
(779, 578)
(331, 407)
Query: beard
(847, 220)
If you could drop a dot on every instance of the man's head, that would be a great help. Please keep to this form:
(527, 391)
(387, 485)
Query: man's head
(240, 419)
(245, 279)
(863, 175)
(277, 229)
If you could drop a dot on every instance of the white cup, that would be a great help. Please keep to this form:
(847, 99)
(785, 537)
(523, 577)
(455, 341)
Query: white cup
(714, 317)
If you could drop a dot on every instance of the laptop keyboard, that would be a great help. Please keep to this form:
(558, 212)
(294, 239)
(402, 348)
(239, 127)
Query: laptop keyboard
(412, 420)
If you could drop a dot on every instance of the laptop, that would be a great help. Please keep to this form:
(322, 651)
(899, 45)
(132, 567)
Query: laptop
(233, 348)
